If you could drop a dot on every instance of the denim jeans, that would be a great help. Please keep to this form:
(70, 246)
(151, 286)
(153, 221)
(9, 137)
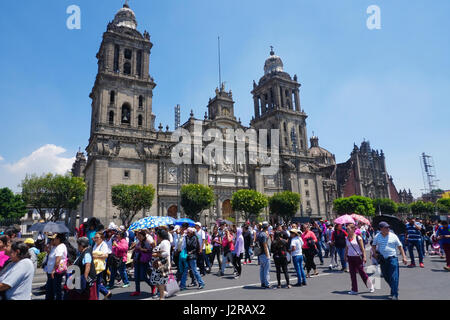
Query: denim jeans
(264, 269)
(53, 287)
(225, 258)
(341, 253)
(417, 244)
(140, 274)
(390, 271)
(122, 271)
(193, 266)
(100, 287)
(298, 265)
(319, 250)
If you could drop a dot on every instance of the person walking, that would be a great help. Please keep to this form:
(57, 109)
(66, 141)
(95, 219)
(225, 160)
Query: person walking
(385, 245)
(297, 256)
(100, 253)
(338, 240)
(355, 255)
(17, 279)
(161, 262)
(318, 233)
(414, 240)
(238, 253)
(55, 266)
(216, 247)
(192, 250)
(279, 249)
(143, 255)
(264, 255)
(228, 248)
(248, 242)
(119, 259)
(309, 248)
(443, 236)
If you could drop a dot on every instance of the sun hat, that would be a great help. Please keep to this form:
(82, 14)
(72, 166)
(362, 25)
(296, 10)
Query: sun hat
(29, 241)
(297, 232)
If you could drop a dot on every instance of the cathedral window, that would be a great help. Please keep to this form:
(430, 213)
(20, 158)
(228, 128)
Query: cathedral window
(306, 182)
(307, 193)
(284, 126)
(139, 63)
(126, 114)
(127, 54)
(112, 97)
(141, 101)
(126, 174)
(116, 58)
(111, 117)
(127, 68)
(140, 120)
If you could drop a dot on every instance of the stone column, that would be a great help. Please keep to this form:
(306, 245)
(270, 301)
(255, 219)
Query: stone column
(297, 100)
(151, 177)
(282, 99)
(256, 103)
(278, 96)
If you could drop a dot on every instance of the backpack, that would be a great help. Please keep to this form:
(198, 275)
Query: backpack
(311, 243)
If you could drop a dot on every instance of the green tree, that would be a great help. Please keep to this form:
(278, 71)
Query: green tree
(195, 198)
(130, 200)
(403, 208)
(284, 205)
(354, 204)
(249, 203)
(386, 206)
(443, 205)
(53, 194)
(420, 207)
(12, 207)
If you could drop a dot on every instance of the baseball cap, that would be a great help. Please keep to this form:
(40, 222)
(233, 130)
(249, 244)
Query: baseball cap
(51, 235)
(265, 224)
(198, 224)
(383, 224)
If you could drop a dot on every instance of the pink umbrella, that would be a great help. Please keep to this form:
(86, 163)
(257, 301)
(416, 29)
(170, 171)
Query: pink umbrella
(360, 218)
(344, 219)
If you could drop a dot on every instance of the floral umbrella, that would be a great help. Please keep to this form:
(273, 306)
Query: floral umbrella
(151, 222)
(345, 219)
(360, 218)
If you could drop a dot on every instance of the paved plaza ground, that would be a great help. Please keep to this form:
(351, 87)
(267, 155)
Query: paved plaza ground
(429, 283)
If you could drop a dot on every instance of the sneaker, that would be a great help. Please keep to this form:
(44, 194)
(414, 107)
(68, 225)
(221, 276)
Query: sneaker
(372, 290)
(421, 265)
(303, 283)
(412, 265)
(108, 296)
(394, 297)
(126, 285)
(353, 293)
(220, 274)
(192, 285)
(183, 289)
(244, 262)
(288, 286)
(201, 287)
(134, 294)
(447, 268)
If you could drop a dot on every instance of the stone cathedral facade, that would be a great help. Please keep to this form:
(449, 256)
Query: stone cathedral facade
(126, 148)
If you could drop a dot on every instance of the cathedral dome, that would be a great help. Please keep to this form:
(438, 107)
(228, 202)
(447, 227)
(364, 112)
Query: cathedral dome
(273, 63)
(321, 154)
(125, 17)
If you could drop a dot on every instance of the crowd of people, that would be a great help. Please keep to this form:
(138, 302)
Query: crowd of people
(109, 257)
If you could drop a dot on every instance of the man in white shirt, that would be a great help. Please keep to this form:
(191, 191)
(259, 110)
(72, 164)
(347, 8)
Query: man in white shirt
(201, 260)
(385, 245)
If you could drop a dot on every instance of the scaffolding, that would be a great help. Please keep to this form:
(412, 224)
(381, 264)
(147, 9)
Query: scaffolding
(430, 180)
(177, 116)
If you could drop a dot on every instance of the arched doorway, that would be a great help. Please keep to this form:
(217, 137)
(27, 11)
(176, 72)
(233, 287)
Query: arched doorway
(226, 209)
(172, 211)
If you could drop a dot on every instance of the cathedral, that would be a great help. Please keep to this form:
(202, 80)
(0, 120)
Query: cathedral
(126, 148)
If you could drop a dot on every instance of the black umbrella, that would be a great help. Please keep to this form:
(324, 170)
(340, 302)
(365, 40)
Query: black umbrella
(55, 228)
(37, 227)
(396, 224)
(219, 221)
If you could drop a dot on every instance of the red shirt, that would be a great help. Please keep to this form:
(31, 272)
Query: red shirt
(307, 235)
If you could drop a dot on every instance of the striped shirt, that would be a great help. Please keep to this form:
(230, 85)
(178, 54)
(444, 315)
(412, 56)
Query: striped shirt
(387, 246)
(413, 233)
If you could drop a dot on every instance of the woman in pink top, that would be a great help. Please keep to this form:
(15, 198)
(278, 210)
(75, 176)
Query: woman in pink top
(3, 257)
(355, 255)
(119, 259)
(309, 249)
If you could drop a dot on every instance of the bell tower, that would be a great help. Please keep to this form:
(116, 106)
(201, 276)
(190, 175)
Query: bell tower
(123, 90)
(277, 106)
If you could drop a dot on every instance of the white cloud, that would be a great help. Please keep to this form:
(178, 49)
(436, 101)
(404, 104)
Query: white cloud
(46, 159)
(1, 158)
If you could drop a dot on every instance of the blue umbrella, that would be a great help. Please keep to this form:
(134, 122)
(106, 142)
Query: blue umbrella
(179, 222)
(151, 222)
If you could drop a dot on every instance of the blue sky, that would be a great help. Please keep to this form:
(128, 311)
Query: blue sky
(389, 86)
